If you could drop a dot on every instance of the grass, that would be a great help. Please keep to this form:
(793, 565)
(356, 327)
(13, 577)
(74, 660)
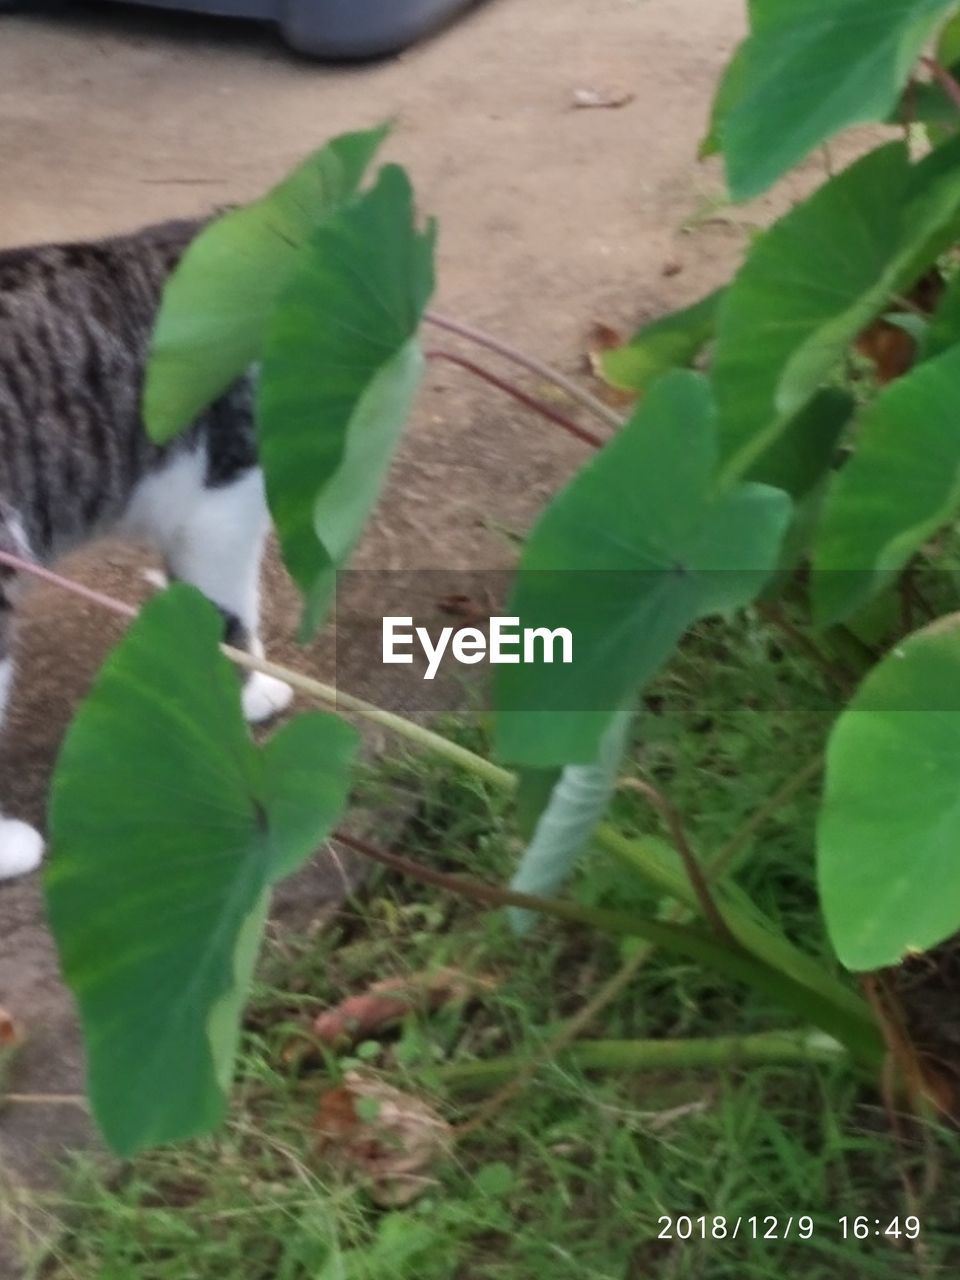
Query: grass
(571, 1181)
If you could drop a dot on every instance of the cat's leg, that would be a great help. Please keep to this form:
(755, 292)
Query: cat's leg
(21, 846)
(218, 548)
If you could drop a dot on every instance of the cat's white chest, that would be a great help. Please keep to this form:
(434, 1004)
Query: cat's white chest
(164, 501)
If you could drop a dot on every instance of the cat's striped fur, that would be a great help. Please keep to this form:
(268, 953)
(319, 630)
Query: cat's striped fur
(75, 460)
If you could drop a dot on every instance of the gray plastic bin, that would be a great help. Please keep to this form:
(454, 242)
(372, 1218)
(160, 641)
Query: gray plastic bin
(334, 28)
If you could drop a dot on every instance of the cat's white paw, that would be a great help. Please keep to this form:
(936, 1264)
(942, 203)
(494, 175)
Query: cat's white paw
(21, 848)
(265, 696)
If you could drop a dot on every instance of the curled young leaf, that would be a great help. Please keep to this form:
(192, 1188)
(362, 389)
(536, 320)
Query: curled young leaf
(341, 367)
(569, 818)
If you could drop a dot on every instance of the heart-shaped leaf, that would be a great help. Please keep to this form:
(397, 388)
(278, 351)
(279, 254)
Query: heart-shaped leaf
(215, 307)
(816, 279)
(638, 546)
(810, 68)
(168, 828)
(901, 484)
(341, 367)
(889, 826)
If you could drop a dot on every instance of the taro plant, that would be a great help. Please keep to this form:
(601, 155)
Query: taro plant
(776, 459)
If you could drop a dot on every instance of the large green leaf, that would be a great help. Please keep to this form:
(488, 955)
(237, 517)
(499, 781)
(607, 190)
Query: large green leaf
(636, 547)
(341, 367)
(672, 340)
(816, 279)
(215, 307)
(810, 68)
(889, 827)
(901, 484)
(168, 828)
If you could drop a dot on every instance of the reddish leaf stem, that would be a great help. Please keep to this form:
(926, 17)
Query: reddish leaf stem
(943, 77)
(530, 402)
(326, 694)
(530, 363)
(464, 886)
(698, 881)
(663, 933)
(78, 589)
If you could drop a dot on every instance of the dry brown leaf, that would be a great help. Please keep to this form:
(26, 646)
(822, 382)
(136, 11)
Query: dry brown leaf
(388, 1001)
(9, 1033)
(10, 1040)
(607, 98)
(928, 291)
(602, 338)
(888, 346)
(390, 1138)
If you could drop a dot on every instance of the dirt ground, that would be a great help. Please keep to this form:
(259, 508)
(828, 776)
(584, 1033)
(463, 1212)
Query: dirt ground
(551, 217)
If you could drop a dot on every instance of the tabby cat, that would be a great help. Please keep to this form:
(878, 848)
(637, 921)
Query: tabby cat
(76, 462)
